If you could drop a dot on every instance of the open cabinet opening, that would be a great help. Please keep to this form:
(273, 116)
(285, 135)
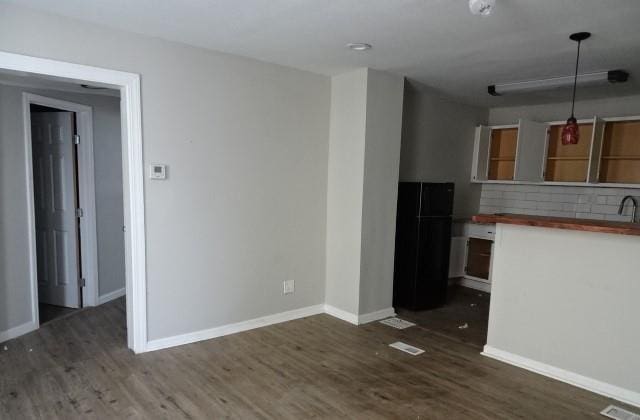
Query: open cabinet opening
(568, 163)
(620, 160)
(502, 154)
(479, 258)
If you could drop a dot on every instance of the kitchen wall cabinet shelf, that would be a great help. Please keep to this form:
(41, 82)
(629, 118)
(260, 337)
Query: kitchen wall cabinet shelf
(621, 152)
(568, 158)
(608, 154)
(568, 163)
(503, 153)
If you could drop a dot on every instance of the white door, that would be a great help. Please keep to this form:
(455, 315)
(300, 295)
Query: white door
(596, 150)
(480, 164)
(530, 155)
(55, 207)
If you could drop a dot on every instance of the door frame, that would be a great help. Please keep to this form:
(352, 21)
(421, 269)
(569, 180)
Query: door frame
(133, 178)
(88, 242)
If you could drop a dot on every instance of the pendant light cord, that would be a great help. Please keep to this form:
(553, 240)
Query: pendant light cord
(575, 81)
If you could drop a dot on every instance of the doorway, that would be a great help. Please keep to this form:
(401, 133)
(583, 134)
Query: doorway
(63, 186)
(24, 247)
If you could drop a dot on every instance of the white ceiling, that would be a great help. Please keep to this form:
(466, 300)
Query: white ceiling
(436, 42)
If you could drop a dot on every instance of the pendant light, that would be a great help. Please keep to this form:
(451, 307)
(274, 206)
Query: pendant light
(571, 131)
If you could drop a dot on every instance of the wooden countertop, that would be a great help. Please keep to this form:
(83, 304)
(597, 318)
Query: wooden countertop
(587, 225)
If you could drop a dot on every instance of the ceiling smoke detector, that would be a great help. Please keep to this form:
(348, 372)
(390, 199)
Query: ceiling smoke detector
(482, 7)
(358, 46)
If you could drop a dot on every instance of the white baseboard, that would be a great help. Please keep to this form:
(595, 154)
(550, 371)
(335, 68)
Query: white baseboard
(375, 316)
(179, 340)
(111, 296)
(584, 382)
(341, 314)
(475, 284)
(358, 319)
(18, 331)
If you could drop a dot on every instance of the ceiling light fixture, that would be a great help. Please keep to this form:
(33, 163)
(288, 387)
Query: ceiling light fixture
(482, 7)
(585, 79)
(359, 46)
(571, 132)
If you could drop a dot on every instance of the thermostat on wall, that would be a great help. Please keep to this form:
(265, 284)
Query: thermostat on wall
(158, 171)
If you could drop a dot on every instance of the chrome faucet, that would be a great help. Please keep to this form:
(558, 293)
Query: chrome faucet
(635, 207)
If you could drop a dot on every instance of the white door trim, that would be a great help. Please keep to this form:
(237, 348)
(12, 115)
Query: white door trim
(133, 176)
(86, 183)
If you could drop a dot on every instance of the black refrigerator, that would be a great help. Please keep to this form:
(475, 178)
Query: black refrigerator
(423, 241)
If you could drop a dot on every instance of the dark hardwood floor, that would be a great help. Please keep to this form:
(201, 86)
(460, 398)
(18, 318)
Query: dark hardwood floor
(465, 307)
(50, 312)
(79, 367)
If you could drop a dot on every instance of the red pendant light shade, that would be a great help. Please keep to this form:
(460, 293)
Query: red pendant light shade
(571, 131)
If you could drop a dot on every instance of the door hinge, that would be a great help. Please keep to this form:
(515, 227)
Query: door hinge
(79, 213)
(83, 282)
(76, 139)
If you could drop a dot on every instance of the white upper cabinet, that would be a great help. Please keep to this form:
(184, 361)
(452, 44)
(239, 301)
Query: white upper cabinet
(607, 154)
(509, 152)
(596, 150)
(530, 152)
(480, 168)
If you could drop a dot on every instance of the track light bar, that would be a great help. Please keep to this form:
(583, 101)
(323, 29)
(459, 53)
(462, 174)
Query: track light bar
(612, 76)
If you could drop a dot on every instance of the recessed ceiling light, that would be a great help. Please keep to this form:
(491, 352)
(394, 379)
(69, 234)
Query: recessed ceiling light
(359, 46)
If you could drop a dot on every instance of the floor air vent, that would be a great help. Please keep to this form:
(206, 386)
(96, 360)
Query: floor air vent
(406, 348)
(398, 323)
(618, 413)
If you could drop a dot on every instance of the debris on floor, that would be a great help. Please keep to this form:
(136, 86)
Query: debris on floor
(473, 305)
(399, 345)
(617, 413)
(397, 323)
(5, 348)
(463, 326)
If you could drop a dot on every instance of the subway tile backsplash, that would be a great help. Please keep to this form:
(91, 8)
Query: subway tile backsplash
(553, 200)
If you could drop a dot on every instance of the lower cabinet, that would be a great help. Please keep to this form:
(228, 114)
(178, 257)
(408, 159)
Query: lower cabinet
(478, 258)
(470, 260)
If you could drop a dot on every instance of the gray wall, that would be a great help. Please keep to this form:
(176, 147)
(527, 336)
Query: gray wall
(380, 190)
(108, 188)
(610, 107)
(437, 143)
(345, 183)
(15, 296)
(246, 142)
(364, 153)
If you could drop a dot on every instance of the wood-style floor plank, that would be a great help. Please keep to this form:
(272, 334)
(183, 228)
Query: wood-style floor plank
(317, 367)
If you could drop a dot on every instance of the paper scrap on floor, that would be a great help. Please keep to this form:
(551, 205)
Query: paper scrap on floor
(399, 345)
(397, 323)
(614, 412)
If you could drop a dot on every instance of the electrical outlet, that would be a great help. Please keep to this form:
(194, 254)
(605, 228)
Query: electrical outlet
(288, 286)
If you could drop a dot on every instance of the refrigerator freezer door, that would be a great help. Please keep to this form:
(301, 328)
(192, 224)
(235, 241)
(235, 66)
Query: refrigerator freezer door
(409, 199)
(436, 199)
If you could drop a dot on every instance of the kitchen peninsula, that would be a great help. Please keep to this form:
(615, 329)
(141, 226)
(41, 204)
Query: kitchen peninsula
(565, 300)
